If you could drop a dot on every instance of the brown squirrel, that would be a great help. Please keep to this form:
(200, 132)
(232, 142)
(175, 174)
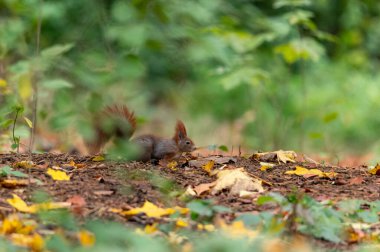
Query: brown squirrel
(151, 147)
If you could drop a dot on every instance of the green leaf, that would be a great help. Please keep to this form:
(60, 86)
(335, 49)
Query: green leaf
(291, 3)
(56, 84)
(5, 124)
(8, 171)
(330, 117)
(265, 199)
(223, 148)
(200, 208)
(56, 50)
(221, 209)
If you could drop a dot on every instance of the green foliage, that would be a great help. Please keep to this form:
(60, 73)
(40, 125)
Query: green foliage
(205, 210)
(8, 171)
(292, 63)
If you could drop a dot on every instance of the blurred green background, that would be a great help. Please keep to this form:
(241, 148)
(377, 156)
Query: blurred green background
(290, 74)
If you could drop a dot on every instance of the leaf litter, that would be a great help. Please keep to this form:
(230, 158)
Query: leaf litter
(125, 188)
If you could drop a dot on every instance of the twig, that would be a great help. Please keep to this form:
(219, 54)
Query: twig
(35, 88)
(34, 83)
(13, 130)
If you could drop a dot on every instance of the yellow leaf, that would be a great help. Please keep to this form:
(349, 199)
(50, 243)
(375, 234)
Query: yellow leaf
(35, 242)
(301, 171)
(182, 223)
(236, 180)
(150, 229)
(207, 227)
(209, 166)
(13, 224)
(57, 175)
(98, 158)
(375, 170)
(86, 238)
(51, 205)
(20, 205)
(24, 164)
(25, 86)
(266, 166)
(172, 165)
(29, 122)
(151, 210)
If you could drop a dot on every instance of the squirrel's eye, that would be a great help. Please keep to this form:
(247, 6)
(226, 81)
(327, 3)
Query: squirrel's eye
(187, 142)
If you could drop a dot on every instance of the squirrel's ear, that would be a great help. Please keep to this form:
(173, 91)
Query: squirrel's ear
(180, 131)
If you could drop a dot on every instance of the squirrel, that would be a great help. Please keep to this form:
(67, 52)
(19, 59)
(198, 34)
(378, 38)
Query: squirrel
(123, 125)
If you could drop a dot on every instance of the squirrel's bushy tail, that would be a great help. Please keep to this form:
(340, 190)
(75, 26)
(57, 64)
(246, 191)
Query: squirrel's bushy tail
(113, 121)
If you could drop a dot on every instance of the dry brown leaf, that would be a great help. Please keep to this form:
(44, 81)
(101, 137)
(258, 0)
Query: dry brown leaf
(197, 163)
(13, 183)
(202, 188)
(103, 193)
(276, 156)
(222, 160)
(236, 180)
(356, 181)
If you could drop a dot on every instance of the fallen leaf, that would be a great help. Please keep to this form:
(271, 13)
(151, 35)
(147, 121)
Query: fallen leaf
(375, 170)
(190, 191)
(248, 195)
(86, 238)
(202, 188)
(103, 193)
(172, 165)
(197, 163)
(307, 173)
(265, 166)
(13, 183)
(206, 227)
(276, 156)
(13, 224)
(356, 181)
(151, 210)
(208, 166)
(57, 175)
(98, 158)
(20, 205)
(181, 223)
(24, 164)
(222, 160)
(72, 164)
(34, 241)
(236, 180)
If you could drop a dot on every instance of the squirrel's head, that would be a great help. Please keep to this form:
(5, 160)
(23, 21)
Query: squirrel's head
(185, 144)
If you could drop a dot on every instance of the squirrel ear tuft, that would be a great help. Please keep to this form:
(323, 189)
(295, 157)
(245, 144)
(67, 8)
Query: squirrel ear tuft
(180, 130)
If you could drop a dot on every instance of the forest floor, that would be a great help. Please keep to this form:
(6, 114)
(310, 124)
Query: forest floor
(97, 186)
